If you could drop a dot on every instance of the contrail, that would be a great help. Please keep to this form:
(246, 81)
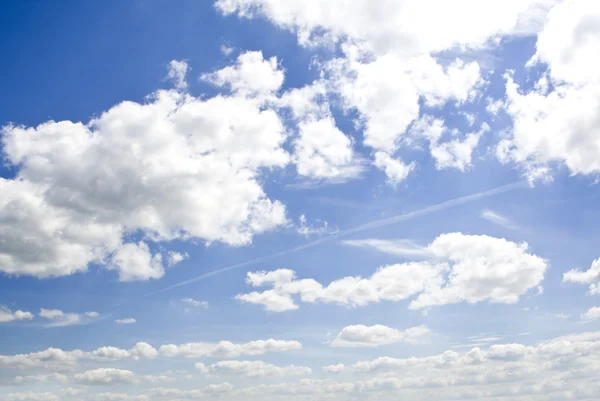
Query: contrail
(363, 227)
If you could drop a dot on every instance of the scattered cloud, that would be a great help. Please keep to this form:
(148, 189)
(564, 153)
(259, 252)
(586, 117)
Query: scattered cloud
(360, 336)
(497, 218)
(590, 276)
(125, 321)
(59, 318)
(6, 315)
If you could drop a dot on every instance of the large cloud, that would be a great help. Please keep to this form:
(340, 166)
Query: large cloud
(558, 121)
(175, 166)
(463, 268)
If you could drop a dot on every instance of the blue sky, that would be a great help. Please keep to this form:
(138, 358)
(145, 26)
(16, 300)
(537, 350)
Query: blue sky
(168, 165)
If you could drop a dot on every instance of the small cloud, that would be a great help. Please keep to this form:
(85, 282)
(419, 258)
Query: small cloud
(176, 257)
(307, 230)
(6, 315)
(177, 72)
(227, 50)
(128, 320)
(399, 247)
(591, 314)
(195, 303)
(497, 218)
(59, 318)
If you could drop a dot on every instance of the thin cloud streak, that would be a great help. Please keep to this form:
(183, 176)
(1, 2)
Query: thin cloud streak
(363, 227)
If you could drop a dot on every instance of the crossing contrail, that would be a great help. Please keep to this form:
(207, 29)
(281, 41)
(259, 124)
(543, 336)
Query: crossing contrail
(373, 224)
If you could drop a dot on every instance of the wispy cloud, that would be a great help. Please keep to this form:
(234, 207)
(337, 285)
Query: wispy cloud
(128, 320)
(497, 218)
(399, 247)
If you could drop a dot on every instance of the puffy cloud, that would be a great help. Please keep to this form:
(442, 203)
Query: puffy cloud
(62, 319)
(125, 321)
(6, 315)
(105, 376)
(404, 27)
(136, 262)
(373, 336)
(58, 377)
(251, 76)
(463, 268)
(323, 152)
(591, 314)
(258, 369)
(228, 349)
(339, 368)
(590, 276)
(175, 167)
(557, 121)
(395, 169)
(175, 258)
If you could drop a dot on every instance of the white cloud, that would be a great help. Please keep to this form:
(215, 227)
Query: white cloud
(31, 396)
(175, 258)
(195, 303)
(6, 315)
(591, 314)
(558, 123)
(125, 321)
(227, 50)
(105, 376)
(175, 167)
(177, 72)
(323, 152)
(307, 230)
(339, 368)
(360, 336)
(252, 76)
(136, 262)
(395, 169)
(62, 319)
(464, 268)
(399, 247)
(497, 218)
(590, 276)
(227, 349)
(57, 377)
(258, 369)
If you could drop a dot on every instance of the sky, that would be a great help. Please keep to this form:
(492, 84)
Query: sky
(299, 200)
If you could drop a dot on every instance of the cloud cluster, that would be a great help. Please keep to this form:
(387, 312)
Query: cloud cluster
(462, 268)
(6, 315)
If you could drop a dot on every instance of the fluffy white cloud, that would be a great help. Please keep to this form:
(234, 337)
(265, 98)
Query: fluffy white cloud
(395, 169)
(175, 258)
(463, 268)
(136, 262)
(591, 314)
(404, 27)
(323, 152)
(558, 120)
(58, 377)
(174, 167)
(373, 336)
(590, 276)
(125, 321)
(105, 376)
(6, 315)
(228, 349)
(339, 368)
(62, 319)
(258, 369)
(251, 76)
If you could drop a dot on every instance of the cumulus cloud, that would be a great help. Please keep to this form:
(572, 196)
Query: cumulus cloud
(6, 315)
(557, 121)
(591, 314)
(256, 369)
(195, 303)
(177, 73)
(226, 349)
(105, 376)
(59, 318)
(339, 368)
(590, 276)
(360, 336)
(462, 268)
(174, 167)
